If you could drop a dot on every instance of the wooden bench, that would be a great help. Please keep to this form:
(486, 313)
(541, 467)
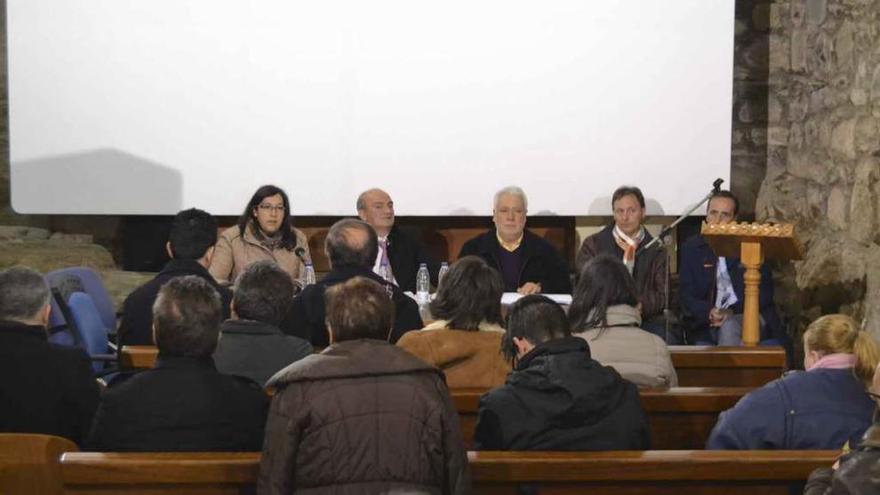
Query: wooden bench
(681, 417)
(708, 366)
(29, 463)
(649, 472)
(697, 366)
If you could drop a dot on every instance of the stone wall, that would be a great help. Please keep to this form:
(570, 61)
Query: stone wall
(822, 144)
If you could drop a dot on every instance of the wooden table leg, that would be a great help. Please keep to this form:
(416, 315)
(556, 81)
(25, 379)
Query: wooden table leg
(751, 258)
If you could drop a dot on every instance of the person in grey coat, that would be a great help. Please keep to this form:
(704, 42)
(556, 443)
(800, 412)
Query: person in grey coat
(251, 343)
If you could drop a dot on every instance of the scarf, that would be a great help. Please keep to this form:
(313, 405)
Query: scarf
(632, 243)
(837, 361)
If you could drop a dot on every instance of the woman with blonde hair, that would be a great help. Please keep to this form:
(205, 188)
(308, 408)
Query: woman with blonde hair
(821, 408)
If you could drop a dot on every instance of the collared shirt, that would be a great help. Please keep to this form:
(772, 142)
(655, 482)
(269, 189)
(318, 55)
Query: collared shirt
(509, 246)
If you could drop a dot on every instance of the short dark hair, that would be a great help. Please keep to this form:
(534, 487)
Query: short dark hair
(725, 194)
(263, 292)
(359, 308)
(23, 293)
(604, 282)
(193, 231)
(535, 318)
(249, 217)
(343, 249)
(470, 294)
(626, 191)
(186, 317)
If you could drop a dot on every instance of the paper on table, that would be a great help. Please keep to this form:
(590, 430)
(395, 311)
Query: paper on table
(509, 298)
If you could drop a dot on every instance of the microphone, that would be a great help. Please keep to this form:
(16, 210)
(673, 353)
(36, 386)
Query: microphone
(716, 186)
(300, 253)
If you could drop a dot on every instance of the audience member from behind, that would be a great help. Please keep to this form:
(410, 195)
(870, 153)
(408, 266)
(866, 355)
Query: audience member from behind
(191, 248)
(399, 251)
(351, 247)
(856, 472)
(465, 340)
(363, 416)
(527, 263)
(183, 403)
(251, 343)
(557, 397)
(605, 312)
(823, 407)
(264, 232)
(44, 388)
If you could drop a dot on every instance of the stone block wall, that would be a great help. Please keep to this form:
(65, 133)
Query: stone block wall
(823, 151)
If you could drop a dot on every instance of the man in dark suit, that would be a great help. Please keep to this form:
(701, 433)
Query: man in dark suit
(528, 264)
(398, 249)
(183, 403)
(713, 290)
(44, 388)
(351, 246)
(190, 246)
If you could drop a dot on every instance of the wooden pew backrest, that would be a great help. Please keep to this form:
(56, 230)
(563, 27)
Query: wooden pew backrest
(29, 463)
(708, 366)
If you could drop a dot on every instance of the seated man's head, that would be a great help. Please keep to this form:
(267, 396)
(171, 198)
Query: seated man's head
(604, 282)
(722, 208)
(531, 321)
(24, 296)
(351, 242)
(263, 292)
(509, 213)
(840, 334)
(469, 295)
(193, 236)
(358, 309)
(628, 207)
(375, 207)
(186, 318)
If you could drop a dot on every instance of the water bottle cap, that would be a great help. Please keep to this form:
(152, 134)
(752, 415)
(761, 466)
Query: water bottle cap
(308, 263)
(423, 264)
(444, 264)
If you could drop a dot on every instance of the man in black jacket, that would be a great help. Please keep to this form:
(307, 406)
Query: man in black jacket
(528, 264)
(44, 388)
(557, 397)
(183, 403)
(351, 246)
(190, 246)
(401, 251)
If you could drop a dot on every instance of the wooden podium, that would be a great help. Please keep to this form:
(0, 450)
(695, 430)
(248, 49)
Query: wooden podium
(752, 243)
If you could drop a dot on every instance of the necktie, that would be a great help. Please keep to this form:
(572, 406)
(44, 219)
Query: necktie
(383, 246)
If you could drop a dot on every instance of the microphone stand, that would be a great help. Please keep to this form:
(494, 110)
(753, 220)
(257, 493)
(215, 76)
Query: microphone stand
(660, 241)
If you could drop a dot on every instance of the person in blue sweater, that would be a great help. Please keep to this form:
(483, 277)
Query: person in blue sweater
(824, 407)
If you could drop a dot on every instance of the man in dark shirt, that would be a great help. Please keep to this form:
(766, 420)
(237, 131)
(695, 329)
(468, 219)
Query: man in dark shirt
(528, 264)
(44, 388)
(351, 246)
(190, 246)
(183, 403)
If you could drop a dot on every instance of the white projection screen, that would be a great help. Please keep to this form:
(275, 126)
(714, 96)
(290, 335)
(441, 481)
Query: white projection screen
(150, 106)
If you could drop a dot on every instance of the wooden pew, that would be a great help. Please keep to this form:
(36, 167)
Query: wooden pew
(29, 463)
(680, 472)
(681, 417)
(708, 366)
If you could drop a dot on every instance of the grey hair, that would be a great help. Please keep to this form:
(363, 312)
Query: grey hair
(514, 191)
(362, 202)
(23, 293)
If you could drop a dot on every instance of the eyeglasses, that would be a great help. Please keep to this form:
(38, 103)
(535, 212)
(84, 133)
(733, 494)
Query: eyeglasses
(267, 207)
(873, 396)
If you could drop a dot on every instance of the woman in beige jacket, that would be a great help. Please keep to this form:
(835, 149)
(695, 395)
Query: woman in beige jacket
(605, 312)
(465, 340)
(264, 232)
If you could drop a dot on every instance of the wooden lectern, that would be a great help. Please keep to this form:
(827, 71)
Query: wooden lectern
(752, 243)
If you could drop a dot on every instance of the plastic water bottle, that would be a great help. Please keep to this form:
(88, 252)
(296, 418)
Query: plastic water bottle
(310, 274)
(423, 284)
(444, 267)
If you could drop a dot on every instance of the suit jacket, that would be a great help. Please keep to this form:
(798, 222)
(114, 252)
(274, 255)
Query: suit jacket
(44, 388)
(649, 271)
(405, 253)
(541, 263)
(305, 319)
(698, 290)
(256, 350)
(136, 327)
(182, 404)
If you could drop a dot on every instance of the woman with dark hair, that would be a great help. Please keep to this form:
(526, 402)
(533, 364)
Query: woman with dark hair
(264, 232)
(605, 311)
(465, 339)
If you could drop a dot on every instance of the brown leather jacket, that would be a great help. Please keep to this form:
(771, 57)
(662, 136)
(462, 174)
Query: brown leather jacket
(469, 359)
(858, 473)
(233, 253)
(363, 416)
